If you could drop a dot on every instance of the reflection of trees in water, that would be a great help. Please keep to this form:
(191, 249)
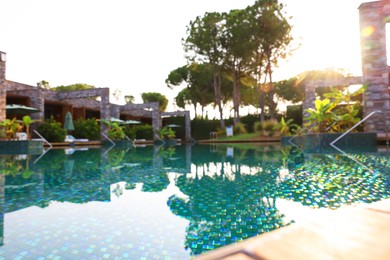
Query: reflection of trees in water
(222, 212)
(334, 180)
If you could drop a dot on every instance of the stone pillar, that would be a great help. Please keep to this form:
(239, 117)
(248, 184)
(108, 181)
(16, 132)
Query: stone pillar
(3, 101)
(2, 68)
(374, 63)
(3, 88)
(2, 202)
(188, 127)
(115, 111)
(156, 121)
(310, 97)
(37, 100)
(104, 109)
(188, 157)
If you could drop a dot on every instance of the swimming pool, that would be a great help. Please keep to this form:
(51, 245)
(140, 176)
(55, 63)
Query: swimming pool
(171, 202)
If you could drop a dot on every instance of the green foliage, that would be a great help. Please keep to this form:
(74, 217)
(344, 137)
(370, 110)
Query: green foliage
(258, 127)
(294, 112)
(249, 122)
(88, 128)
(11, 127)
(321, 117)
(149, 97)
(290, 90)
(2, 133)
(27, 121)
(115, 132)
(239, 128)
(348, 107)
(129, 99)
(286, 126)
(78, 86)
(52, 130)
(269, 127)
(139, 132)
(198, 82)
(167, 133)
(43, 84)
(201, 128)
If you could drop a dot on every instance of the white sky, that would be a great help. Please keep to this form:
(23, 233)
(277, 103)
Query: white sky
(133, 45)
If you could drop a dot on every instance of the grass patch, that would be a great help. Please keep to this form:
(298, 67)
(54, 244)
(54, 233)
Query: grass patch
(248, 136)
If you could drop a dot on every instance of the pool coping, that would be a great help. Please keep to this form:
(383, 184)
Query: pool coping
(352, 232)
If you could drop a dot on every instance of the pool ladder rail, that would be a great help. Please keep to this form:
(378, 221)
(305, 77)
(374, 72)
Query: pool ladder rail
(45, 141)
(358, 123)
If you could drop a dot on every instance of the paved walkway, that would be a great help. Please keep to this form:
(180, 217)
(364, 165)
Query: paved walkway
(359, 232)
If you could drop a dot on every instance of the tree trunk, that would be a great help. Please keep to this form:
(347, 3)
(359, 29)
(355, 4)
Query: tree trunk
(261, 99)
(236, 97)
(196, 114)
(217, 92)
(272, 107)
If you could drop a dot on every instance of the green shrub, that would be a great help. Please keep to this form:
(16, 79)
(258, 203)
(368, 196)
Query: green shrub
(139, 132)
(201, 128)
(2, 133)
(88, 128)
(115, 132)
(249, 121)
(269, 125)
(52, 130)
(167, 133)
(294, 112)
(239, 129)
(258, 127)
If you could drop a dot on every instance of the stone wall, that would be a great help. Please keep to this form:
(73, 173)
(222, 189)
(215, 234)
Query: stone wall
(150, 110)
(3, 91)
(312, 85)
(82, 98)
(373, 18)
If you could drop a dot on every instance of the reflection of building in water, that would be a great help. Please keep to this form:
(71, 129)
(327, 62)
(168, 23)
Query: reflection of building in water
(222, 169)
(2, 189)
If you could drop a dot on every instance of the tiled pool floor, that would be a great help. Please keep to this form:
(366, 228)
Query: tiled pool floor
(360, 232)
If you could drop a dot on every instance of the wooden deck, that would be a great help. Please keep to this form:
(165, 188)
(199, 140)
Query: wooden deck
(354, 232)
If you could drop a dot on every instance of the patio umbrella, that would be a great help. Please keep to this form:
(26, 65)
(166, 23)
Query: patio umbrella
(15, 109)
(173, 125)
(68, 125)
(132, 122)
(116, 120)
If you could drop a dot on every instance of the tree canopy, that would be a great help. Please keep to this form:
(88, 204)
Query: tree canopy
(242, 44)
(149, 97)
(77, 86)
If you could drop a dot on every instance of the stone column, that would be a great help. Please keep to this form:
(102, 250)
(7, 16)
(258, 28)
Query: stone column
(3, 101)
(37, 100)
(2, 201)
(156, 121)
(115, 111)
(374, 63)
(188, 157)
(188, 126)
(310, 97)
(104, 109)
(3, 90)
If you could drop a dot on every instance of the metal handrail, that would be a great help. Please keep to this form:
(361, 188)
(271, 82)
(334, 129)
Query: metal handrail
(132, 141)
(105, 136)
(42, 138)
(358, 123)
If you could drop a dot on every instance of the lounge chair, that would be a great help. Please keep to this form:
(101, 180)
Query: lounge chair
(72, 139)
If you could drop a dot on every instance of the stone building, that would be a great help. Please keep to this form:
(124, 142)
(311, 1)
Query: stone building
(80, 103)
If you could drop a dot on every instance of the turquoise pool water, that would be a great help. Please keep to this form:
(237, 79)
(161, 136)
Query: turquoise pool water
(171, 202)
